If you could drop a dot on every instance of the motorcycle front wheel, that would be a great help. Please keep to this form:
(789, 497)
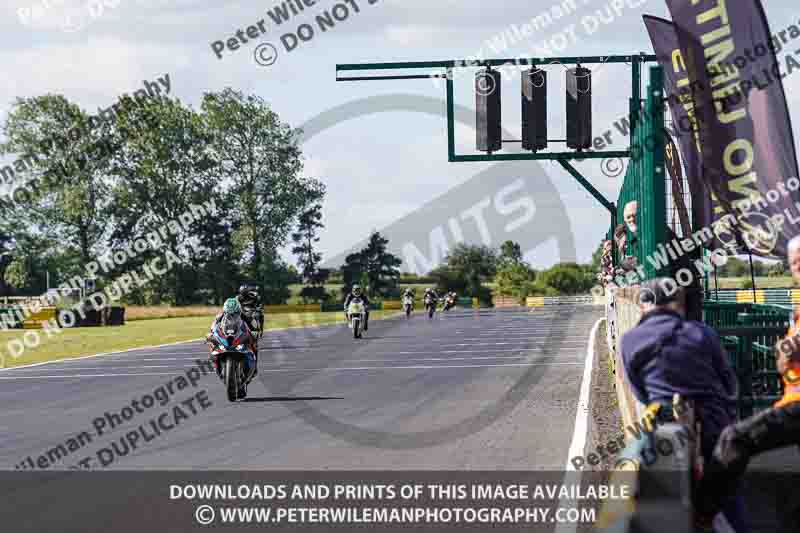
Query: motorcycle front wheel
(232, 379)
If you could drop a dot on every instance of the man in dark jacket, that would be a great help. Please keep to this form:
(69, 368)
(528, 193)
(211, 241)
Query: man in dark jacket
(665, 354)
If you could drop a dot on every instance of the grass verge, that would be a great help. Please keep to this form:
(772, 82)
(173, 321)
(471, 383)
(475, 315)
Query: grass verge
(70, 343)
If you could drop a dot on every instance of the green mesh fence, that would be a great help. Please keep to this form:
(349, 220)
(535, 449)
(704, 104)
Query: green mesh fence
(644, 180)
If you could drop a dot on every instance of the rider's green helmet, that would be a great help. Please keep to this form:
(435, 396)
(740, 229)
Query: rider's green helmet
(231, 307)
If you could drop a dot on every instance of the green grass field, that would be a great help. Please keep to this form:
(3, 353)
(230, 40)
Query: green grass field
(136, 334)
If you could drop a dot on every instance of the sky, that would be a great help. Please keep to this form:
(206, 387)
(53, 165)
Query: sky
(379, 146)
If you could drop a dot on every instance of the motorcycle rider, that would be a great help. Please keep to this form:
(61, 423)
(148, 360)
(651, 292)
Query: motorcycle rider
(231, 315)
(252, 308)
(356, 292)
(450, 301)
(430, 291)
(408, 293)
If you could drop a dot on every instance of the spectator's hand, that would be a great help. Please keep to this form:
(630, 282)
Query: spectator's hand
(786, 351)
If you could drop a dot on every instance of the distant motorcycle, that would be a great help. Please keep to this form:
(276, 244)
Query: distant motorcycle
(234, 359)
(430, 305)
(449, 302)
(408, 305)
(356, 315)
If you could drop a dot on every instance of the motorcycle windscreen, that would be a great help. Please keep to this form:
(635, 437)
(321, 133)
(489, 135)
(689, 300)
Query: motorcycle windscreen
(231, 325)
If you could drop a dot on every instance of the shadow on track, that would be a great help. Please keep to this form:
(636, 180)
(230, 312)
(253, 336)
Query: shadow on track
(292, 398)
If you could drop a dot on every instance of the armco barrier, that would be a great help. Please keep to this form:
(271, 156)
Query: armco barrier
(538, 301)
(36, 319)
(777, 296)
(505, 301)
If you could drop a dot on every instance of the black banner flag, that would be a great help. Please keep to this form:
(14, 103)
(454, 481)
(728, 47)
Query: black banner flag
(747, 149)
(684, 126)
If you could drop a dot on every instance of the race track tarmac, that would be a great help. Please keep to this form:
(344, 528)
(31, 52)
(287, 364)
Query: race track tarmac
(488, 389)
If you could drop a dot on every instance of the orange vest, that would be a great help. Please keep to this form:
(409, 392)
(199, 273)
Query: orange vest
(791, 381)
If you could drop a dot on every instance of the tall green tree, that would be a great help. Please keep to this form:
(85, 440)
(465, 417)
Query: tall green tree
(260, 158)
(165, 163)
(447, 279)
(305, 239)
(277, 276)
(510, 251)
(568, 278)
(376, 264)
(474, 264)
(8, 227)
(218, 255)
(63, 163)
(514, 279)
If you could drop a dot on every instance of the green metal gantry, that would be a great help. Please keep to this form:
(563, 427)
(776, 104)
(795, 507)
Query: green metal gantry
(445, 71)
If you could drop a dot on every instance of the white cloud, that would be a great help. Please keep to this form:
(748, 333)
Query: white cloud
(415, 34)
(93, 73)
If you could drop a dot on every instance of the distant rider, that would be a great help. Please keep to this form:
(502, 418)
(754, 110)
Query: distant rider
(450, 301)
(356, 292)
(231, 316)
(432, 293)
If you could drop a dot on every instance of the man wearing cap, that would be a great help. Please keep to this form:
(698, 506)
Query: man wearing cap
(665, 354)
